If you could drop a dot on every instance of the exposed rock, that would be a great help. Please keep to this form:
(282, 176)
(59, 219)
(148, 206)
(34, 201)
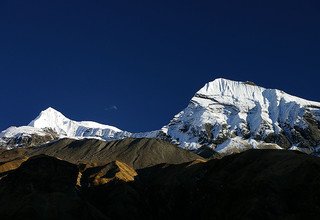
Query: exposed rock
(279, 139)
(250, 83)
(207, 152)
(28, 140)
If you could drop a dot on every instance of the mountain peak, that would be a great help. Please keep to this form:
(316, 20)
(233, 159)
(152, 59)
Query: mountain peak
(50, 110)
(225, 87)
(47, 115)
(49, 118)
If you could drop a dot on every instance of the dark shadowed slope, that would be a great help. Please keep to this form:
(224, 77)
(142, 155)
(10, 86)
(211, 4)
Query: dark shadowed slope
(44, 188)
(265, 184)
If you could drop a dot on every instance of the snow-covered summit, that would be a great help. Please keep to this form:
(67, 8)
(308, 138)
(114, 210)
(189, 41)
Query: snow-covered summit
(244, 93)
(223, 109)
(51, 118)
(52, 124)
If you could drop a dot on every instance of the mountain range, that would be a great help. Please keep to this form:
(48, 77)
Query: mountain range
(237, 151)
(222, 118)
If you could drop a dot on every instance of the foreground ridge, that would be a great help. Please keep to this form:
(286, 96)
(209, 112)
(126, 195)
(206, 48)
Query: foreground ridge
(229, 188)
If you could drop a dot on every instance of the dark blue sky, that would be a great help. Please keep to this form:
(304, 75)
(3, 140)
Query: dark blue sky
(148, 57)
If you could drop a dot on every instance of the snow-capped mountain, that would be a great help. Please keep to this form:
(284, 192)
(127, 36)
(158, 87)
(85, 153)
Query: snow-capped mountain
(51, 125)
(225, 116)
(65, 127)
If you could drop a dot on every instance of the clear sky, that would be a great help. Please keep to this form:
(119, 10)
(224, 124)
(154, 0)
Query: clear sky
(135, 64)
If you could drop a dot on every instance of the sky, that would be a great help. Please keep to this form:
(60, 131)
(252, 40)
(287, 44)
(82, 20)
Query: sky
(135, 64)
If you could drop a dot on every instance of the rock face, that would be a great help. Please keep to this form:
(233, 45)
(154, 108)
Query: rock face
(267, 184)
(25, 136)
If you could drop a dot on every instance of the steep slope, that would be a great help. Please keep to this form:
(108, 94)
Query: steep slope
(228, 115)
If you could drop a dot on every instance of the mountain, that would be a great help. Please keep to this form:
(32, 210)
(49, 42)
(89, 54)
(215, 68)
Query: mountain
(65, 127)
(231, 116)
(52, 125)
(223, 117)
